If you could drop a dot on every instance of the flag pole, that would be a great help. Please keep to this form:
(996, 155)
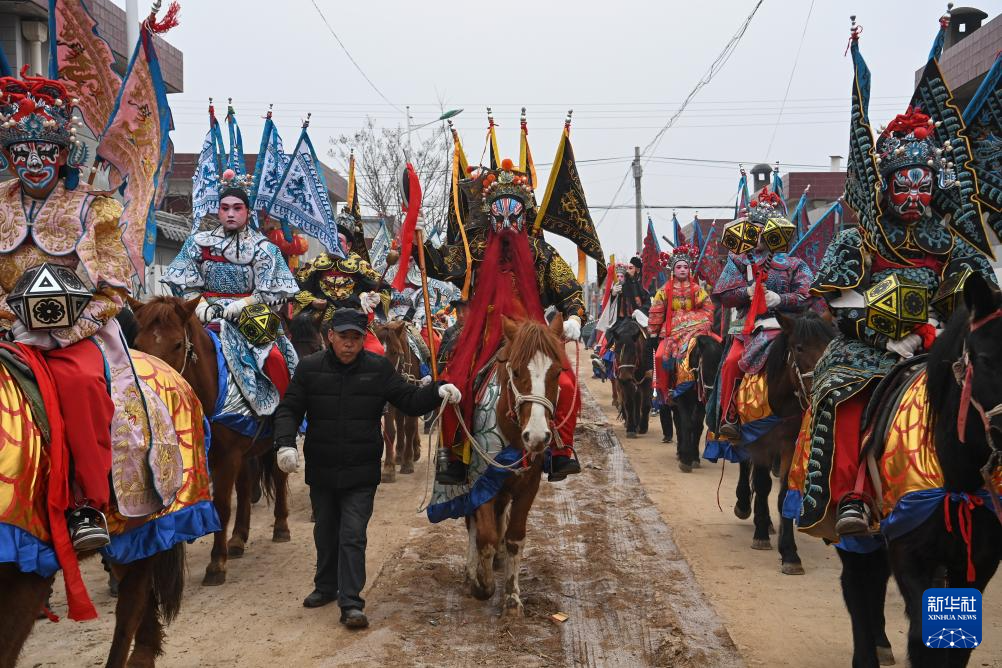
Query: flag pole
(427, 303)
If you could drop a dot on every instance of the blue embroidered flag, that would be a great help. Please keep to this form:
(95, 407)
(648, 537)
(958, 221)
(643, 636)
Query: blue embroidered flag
(301, 198)
(205, 182)
(812, 246)
(235, 158)
(742, 198)
(697, 233)
(270, 166)
(777, 187)
(677, 237)
(799, 218)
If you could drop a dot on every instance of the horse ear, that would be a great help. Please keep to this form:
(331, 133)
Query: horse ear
(186, 309)
(786, 323)
(557, 324)
(980, 298)
(509, 327)
(134, 303)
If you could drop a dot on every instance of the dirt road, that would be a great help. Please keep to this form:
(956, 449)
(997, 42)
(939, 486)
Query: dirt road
(633, 550)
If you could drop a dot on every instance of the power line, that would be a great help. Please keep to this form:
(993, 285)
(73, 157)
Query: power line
(346, 52)
(715, 67)
(793, 70)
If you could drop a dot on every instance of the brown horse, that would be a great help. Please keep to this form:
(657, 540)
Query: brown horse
(401, 432)
(149, 598)
(528, 367)
(789, 372)
(169, 330)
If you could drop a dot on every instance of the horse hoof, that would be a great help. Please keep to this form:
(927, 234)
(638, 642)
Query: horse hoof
(235, 551)
(281, 536)
(684, 468)
(513, 609)
(697, 465)
(214, 578)
(407, 468)
(793, 569)
(417, 454)
(388, 476)
(761, 544)
(631, 434)
(642, 431)
(481, 593)
(741, 513)
(885, 656)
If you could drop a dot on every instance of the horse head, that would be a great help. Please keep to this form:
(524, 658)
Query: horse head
(965, 368)
(629, 346)
(806, 336)
(393, 336)
(163, 329)
(530, 363)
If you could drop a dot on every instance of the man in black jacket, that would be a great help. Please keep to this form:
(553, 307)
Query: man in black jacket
(342, 392)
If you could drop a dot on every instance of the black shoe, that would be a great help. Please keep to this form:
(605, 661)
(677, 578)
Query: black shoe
(88, 529)
(730, 431)
(354, 618)
(318, 599)
(453, 474)
(853, 518)
(561, 467)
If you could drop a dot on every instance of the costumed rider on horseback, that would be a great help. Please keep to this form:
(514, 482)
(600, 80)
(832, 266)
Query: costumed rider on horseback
(329, 283)
(681, 311)
(508, 263)
(51, 218)
(238, 275)
(758, 280)
(903, 249)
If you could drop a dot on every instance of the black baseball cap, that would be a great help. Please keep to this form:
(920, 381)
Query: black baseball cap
(345, 319)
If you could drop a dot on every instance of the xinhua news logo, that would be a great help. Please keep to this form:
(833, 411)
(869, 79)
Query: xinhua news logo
(951, 618)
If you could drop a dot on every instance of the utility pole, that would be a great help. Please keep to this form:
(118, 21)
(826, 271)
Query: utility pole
(638, 171)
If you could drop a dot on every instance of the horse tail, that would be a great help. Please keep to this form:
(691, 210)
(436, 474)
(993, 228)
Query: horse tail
(268, 470)
(168, 582)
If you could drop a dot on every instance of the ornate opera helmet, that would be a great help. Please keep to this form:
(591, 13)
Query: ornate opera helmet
(682, 253)
(911, 162)
(506, 198)
(38, 132)
(236, 185)
(765, 206)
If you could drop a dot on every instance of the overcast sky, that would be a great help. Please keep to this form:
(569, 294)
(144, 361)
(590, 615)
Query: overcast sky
(623, 66)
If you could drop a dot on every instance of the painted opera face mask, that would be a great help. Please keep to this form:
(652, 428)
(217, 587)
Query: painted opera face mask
(910, 193)
(36, 165)
(681, 270)
(507, 213)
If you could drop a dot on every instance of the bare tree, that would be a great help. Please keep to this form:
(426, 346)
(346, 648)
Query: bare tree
(379, 167)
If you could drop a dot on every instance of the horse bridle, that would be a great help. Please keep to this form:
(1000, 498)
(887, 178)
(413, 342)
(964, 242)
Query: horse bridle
(528, 398)
(803, 396)
(963, 374)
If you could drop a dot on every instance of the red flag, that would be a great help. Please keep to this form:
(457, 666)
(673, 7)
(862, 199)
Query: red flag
(410, 223)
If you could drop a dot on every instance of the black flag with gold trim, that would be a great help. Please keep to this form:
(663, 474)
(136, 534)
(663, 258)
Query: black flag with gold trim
(354, 209)
(564, 210)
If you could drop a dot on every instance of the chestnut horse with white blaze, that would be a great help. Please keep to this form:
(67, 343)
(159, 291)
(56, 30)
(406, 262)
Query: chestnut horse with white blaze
(528, 367)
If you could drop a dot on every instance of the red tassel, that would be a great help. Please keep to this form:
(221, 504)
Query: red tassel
(757, 303)
(407, 233)
(169, 20)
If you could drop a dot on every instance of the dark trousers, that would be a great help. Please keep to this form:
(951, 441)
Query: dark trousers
(667, 424)
(342, 517)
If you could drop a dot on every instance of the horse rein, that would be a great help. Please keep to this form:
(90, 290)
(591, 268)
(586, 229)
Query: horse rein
(963, 374)
(189, 351)
(803, 396)
(528, 398)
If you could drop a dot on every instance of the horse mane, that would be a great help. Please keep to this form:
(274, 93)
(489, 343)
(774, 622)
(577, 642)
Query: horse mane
(808, 326)
(160, 309)
(530, 338)
(949, 346)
